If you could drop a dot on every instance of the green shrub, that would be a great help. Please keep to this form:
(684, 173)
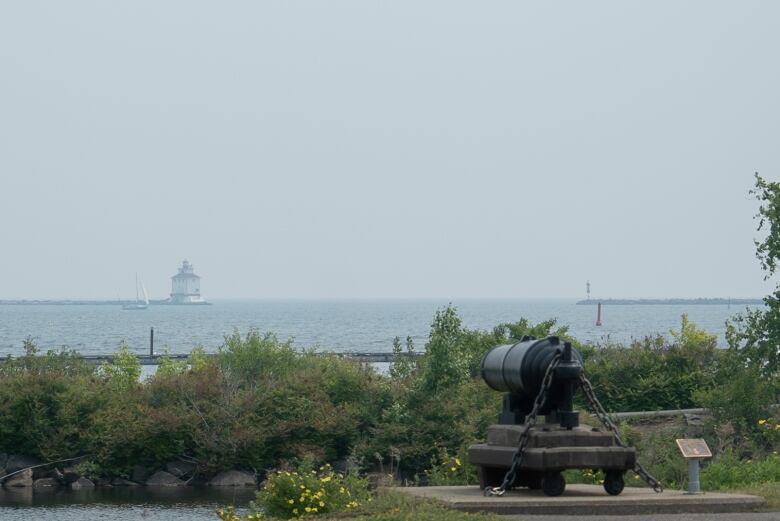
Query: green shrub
(727, 471)
(452, 470)
(308, 492)
(124, 369)
(651, 374)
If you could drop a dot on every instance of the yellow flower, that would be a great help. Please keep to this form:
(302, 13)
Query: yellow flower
(295, 511)
(322, 503)
(307, 509)
(291, 501)
(313, 509)
(453, 469)
(761, 422)
(457, 462)
(326, 479)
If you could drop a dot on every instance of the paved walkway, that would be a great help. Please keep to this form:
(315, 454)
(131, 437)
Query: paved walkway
(589, 501)
(757, 516)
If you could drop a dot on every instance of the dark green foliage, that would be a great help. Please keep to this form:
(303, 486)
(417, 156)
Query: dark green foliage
(651, 374)
(257, 403)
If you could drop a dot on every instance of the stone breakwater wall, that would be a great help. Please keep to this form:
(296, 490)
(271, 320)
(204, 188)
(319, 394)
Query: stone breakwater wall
(19, 471)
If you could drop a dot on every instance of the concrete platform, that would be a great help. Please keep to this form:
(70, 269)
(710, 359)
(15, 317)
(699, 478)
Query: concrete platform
(584, 500)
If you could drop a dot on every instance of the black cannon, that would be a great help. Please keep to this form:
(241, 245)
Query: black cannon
(540, 377)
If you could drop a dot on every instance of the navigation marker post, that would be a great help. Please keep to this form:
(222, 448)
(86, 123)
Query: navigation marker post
(694, 450)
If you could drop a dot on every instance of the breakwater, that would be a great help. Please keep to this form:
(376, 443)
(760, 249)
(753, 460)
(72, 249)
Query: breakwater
(673, 302)
(155, 359)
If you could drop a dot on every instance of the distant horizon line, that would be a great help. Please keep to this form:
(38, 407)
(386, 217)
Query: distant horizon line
(419, 298)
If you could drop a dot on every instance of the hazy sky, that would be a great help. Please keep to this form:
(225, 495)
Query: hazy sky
(385, 149)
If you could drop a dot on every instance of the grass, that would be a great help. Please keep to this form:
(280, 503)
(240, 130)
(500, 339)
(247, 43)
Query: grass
(769, 491)
(389, 505)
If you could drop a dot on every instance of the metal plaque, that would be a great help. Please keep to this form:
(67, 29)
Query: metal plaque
(694, 448)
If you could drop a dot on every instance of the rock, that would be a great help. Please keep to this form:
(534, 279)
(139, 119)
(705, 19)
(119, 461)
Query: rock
(22, 479)
(140, 474)
(121, 482)
(233, 478)
(45, 484)
(164, 479)
(81, 484)
(103, 482)
(180, 469)
(340, 465)
(69, 475)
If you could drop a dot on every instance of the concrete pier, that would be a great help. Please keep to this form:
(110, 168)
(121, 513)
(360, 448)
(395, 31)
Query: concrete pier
(579, 500)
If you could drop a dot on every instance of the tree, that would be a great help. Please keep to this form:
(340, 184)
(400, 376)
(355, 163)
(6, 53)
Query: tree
(756, 333)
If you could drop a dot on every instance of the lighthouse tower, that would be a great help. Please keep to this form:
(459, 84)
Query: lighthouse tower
(185, 286)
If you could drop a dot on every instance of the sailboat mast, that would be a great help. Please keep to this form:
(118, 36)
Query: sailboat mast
(136, 287)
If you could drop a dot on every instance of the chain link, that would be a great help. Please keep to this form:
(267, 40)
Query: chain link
(530, 421)
(602, 415)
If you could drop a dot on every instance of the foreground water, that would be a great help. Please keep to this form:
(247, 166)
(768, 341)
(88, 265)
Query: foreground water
(120, 504)
(349, 325)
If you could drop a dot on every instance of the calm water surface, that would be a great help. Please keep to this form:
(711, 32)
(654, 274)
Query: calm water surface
(190, 504)
(349, 325)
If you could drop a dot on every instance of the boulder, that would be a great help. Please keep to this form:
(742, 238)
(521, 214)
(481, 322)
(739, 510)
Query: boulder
(19, 480)
(164, 479)
(81, 484)
(46, 484)
(121, 482)
(140, 474)
(180, 469)
(69, 475)
(233, 478)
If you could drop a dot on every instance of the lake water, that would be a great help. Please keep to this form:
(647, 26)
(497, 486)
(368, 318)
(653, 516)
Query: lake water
(336, 325)
(120, 504)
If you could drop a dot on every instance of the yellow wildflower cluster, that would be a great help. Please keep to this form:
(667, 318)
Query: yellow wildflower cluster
(769, 423)
(297, 494)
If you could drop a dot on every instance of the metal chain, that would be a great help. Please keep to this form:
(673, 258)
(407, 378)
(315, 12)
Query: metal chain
(530, 421)
(602, 415)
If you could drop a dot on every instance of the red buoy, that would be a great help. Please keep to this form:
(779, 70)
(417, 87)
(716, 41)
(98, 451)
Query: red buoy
(598, 317)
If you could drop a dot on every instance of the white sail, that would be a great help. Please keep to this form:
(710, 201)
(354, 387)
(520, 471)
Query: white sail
(146, 297)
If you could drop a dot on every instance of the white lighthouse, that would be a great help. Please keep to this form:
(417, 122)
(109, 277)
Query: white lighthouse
(185, 286)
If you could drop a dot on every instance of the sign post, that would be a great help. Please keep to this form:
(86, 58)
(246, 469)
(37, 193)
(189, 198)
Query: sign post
(693, 450)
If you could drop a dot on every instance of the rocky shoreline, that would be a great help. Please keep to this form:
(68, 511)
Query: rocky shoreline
(23, 472)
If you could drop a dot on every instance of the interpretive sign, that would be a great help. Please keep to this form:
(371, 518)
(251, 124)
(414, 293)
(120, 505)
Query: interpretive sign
(694, 448)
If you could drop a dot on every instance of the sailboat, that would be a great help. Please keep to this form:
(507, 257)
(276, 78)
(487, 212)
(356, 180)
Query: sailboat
(138, 304)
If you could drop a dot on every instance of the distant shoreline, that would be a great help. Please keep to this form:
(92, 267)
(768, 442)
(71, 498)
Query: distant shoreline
(674, 301)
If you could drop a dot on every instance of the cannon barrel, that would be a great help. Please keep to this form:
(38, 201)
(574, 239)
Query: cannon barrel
(518, 369)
